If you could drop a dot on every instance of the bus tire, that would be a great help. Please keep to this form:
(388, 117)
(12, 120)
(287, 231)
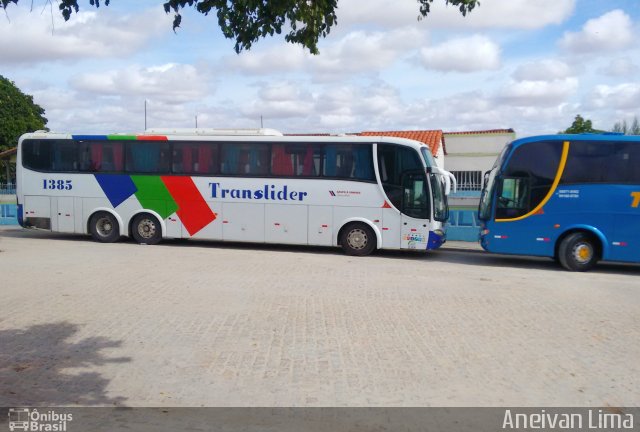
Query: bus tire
(104, 227)
(146, 229)
(358, 239)
(578, 252)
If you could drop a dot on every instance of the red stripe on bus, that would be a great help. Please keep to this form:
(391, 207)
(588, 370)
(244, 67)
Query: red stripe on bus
(151, 137)
(193, 210)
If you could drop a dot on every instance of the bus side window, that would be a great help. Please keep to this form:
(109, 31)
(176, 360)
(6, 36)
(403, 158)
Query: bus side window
(513, 199)
(36, 154)
(66, 156)
(281, 163)
(148, 157)
(208, 161)
(230, 159)
(363, 160)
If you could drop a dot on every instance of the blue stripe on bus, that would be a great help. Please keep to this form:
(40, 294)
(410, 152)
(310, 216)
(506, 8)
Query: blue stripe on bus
(90, 137)
(117, 188)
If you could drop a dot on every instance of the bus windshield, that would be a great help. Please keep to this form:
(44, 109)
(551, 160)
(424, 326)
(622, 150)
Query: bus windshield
(440, 207)
(484, 210)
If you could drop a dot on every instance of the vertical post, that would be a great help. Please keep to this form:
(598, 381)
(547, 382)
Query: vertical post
(196, 121)
(145, 114)
(261, 124)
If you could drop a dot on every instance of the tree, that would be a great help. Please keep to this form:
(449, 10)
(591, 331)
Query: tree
(18, 115)
(623, 127)
(247, 21)
(580, 125)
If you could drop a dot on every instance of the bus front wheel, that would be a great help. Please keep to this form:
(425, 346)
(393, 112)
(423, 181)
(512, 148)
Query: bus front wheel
(145, 229)
(578, 252)
(358, 239)
(104, 228)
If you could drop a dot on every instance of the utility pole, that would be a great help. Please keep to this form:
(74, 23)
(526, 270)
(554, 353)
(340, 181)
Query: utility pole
(145, 114)
(196, 121)
(261, 124)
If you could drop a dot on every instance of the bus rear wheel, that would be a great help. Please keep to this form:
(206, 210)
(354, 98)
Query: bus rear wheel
(145, 229)
(578, 252)
(358, 239)
(104, 228)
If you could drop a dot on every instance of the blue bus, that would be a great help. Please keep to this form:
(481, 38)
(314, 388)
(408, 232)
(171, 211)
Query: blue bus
(574, 198)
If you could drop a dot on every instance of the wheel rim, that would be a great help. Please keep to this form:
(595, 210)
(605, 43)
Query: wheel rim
(104, 227)
(146, 228)
(357, 239)
(583, 253)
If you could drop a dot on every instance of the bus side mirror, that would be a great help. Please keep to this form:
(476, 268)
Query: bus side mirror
(485, 178)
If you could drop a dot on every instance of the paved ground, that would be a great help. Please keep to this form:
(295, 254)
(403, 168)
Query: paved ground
(194, 323)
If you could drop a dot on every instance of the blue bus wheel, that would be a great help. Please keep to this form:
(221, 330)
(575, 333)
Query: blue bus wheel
(578, 252)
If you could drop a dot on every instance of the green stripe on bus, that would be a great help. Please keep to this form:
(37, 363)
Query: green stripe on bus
(121, 137)
(153, 195)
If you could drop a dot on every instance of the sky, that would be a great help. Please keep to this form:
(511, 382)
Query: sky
(530, 65)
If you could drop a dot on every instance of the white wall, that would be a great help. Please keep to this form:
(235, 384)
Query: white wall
(475, 152)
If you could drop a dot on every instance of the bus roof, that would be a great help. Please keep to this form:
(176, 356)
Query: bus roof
(611, 136)
(353, 139)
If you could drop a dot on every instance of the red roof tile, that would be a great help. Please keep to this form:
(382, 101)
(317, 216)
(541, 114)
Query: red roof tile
(432, 138)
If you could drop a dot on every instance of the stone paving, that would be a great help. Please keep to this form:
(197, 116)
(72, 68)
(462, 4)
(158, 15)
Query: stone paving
(190, 323)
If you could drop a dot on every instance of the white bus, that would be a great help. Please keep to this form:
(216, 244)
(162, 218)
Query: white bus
(361, 193)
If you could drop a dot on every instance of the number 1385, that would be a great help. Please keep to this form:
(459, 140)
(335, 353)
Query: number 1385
(56, 184)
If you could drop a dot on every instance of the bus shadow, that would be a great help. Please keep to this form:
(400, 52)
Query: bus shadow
(35, 363)
(485, 259)
(449, 255)
(258, 247)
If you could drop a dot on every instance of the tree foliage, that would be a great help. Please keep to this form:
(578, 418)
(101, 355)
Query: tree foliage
(580, 125)
(247, 21)
(625, 128)
(18, 114)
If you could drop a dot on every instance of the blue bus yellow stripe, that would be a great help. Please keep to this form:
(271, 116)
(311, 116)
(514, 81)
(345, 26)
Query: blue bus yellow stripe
(552, 190)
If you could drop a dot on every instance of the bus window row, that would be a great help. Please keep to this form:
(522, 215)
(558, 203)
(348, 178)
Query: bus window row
(349, 161)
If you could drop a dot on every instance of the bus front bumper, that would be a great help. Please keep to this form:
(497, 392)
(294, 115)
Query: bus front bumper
(436, 239)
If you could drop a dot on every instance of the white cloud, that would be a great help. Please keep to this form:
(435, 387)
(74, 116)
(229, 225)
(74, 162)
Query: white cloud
(543, 70)
(378, 13)
(620, 67)
(169, 83)
(356, 52)
(280, 100)
(611, 31)
(624, 96)
(28, 37)
(260, 61)
(518, 14)
(538, 93)
(361, 51)
(469, 54)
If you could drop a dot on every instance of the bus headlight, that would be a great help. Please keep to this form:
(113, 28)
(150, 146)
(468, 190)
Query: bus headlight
(439, 232)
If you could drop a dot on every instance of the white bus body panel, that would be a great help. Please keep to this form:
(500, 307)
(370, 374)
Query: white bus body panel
(286, 224)
(320, 226)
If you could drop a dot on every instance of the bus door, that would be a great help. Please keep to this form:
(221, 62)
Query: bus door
(416, 210)
(64, 214)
